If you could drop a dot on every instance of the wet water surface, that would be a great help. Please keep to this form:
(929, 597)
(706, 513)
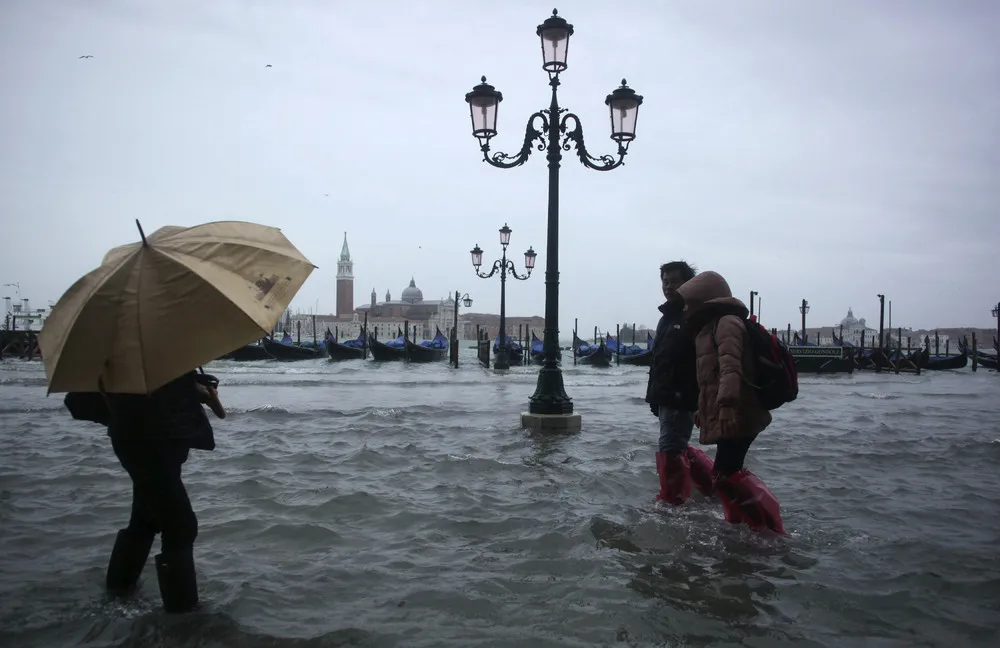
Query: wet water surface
(357, 504)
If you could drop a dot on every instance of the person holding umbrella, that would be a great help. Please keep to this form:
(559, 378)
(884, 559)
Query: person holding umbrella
(124, 343)
(151, 436)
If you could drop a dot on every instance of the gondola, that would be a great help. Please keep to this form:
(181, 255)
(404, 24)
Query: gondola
(537, 350)
(515, 352)
(349, 350)
(428, 350)
(288, 351)
(863, 358)
(941, 363)
(915, 359)
(388, 351)
(248, 353)
(596, 355)
(318, 345)
(986, 361)
(636, 356)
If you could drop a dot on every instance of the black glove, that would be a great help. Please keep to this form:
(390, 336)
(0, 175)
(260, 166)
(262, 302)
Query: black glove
(655, 409)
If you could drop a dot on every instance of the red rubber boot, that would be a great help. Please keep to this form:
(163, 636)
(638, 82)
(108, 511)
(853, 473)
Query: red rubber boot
(745, 498)
(701, 470)
(675, 477)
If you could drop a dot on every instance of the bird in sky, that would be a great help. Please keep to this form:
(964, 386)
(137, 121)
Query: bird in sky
(268, 65)
(87, 56)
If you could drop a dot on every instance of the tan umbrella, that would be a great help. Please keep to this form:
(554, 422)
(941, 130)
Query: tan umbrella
(182, 297)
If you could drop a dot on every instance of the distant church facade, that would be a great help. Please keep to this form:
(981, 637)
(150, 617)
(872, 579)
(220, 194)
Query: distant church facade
(384, 318)
(855, 330)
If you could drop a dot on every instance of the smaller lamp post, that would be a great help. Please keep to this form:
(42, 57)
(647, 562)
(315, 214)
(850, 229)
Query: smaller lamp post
(804, 309)
(505, 266)
(881, 321)
(996, 341)
(467, 302)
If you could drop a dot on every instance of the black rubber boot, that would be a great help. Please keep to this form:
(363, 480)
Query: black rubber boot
(178, 584)
(128, 557)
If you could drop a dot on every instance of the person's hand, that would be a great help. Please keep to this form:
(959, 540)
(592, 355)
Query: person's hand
(655, 409)
(209, 396)
(208, 380)
(727, 422)
(204, 395)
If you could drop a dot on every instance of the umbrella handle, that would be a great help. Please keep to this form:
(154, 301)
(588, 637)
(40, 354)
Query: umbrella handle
(104, 394)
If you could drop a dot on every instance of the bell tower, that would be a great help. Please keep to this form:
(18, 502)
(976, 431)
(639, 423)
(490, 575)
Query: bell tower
(345, 282)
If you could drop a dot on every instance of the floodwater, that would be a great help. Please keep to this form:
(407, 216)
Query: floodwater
(357, 504)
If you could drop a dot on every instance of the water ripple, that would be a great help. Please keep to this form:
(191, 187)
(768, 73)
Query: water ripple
(350, 504)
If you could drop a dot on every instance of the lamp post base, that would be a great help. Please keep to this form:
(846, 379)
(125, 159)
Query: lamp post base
(550, 396)
(501, 361)
(551, 422)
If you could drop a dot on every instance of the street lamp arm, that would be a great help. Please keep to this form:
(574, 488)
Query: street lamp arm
(574, 134)
(513, 272)
(531, 134)
(496, 269)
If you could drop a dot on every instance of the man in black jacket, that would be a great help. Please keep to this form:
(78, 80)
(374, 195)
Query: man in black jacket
(672, 391)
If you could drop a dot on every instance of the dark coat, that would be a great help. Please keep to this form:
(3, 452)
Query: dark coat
(673, 380)
(173, 412)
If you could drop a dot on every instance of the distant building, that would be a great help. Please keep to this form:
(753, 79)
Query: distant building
(491, 324)
(852, 329)
(857, 330)
(344, 324)
(20, 316)
(387, 318)
(345, 283)
(924, 338)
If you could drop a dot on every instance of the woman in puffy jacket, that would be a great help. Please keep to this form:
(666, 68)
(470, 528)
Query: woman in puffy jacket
(729, 415)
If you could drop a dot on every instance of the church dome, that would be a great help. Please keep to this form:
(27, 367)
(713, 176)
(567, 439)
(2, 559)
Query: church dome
(412, 294)
(850, 322)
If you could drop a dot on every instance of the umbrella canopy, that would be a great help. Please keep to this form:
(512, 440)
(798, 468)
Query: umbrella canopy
(157, 309)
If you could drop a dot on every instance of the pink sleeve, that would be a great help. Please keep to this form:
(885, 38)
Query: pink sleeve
(729, 336)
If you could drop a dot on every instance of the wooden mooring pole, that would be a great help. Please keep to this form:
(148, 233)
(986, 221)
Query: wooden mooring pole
(576, 324)
(618, 345)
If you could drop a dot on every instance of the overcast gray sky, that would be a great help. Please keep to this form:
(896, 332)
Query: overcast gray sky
(827, 149)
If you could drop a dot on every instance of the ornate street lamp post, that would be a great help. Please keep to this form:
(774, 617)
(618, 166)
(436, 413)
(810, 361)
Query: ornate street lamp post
(467, 302)
(505, 266)
(550, 399)
(804, 309)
